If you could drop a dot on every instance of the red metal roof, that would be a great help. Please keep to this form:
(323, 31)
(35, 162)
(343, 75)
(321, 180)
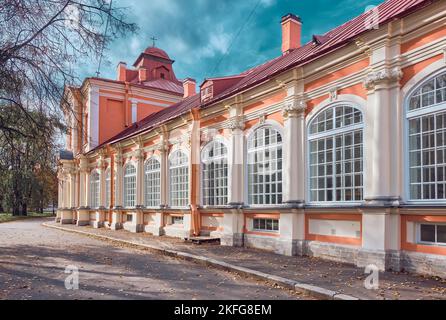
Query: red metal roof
(332, 40)
(166, 85)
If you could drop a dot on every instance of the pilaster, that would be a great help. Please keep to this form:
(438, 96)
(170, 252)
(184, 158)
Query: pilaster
(236, 124)
(294, 145)
(382, 126)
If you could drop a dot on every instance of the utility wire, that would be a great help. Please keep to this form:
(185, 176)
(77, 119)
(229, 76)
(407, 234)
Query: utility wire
(105, 35)
(235, 37)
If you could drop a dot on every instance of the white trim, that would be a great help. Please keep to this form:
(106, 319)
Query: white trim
(418, 80)
(144, 186)
(222, 140)
(354, 100)
(276, 126)
(134, 111)
(184, 150)
(124, 167)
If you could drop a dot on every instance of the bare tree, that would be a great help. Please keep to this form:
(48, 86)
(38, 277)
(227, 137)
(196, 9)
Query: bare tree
(41, 43)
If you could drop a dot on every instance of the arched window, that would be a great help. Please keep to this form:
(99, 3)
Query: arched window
(265, 166)
(94, 189)
(152, 183)
(215, 174)
(107, 188)
(336, 155)
(426, 116)
(129, 186)
(179, 179)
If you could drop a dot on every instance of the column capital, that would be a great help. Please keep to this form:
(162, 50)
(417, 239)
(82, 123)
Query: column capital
(235, 122)
(119, 159)
(293, 107)
(139, 154)
(384, 76)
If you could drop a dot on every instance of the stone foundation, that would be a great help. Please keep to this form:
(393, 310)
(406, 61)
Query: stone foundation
(422, 263)
(232, 240)
(331, 251)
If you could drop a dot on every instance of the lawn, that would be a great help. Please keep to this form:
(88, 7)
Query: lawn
(7, 217)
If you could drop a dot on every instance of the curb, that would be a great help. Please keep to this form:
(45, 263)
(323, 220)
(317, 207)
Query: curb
(314, 291)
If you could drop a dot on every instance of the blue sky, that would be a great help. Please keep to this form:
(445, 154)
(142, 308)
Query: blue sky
(197, 33)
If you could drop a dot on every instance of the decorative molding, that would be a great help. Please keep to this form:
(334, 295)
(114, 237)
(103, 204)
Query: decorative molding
(382, 76)
(444, 55)
(293, 107)
(119, 160)
(360, 43)
(333, 94)
(235, 123)
(262, 118)
(139, 154)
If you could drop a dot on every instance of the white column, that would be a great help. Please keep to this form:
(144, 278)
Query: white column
(73, 189)
(236, 161)
(60, 193)
(382, 128)
(293, 152)
(382, 140)
(65, 193)
(139, 154)
(87, 189)
(82, 182)
(164, 170)
(134, 110)
(119, 177)
(102, 195)
(93, 117)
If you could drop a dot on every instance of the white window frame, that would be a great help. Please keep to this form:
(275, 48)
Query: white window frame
(126, 201)
(184, 166)
(152, 173)
(427, 243)
(95, 189)
(331, 133)
(265, 230)
(434, 109)
(223, 180)
(275, 126)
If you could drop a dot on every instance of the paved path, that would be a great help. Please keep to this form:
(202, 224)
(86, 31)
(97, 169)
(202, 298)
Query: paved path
(33, 260)
(334, 276)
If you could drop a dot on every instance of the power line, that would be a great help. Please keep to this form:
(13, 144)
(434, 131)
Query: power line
(105, 35)
(235, 37)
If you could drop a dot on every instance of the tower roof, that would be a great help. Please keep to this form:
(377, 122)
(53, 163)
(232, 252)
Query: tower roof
(157, 52)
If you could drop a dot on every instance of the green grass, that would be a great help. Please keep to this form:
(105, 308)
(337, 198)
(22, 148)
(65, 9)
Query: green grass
(8, 217)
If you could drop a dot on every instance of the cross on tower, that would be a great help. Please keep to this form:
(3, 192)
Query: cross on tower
(153, 39)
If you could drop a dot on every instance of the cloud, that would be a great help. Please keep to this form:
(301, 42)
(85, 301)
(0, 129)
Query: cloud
(197, 33)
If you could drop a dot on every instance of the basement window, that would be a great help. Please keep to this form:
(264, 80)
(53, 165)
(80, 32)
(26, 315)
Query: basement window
(129, 217)
(269, 225)
(178, 220)
(434, 234)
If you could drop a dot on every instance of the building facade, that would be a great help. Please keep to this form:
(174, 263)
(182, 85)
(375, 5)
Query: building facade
(334, 149)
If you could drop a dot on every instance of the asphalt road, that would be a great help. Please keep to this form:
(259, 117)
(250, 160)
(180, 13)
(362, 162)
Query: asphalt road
(33, 262)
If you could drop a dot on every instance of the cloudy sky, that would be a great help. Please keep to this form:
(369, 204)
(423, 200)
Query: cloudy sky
(198, 34)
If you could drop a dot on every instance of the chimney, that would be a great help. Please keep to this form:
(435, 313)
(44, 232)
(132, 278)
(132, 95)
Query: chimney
(142, 74)
(189, 85)
(122, 71)
(291, 32)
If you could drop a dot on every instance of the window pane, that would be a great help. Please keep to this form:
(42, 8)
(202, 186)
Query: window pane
(441, 233)
(265, 166)
(427, 233)
(335, 156)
